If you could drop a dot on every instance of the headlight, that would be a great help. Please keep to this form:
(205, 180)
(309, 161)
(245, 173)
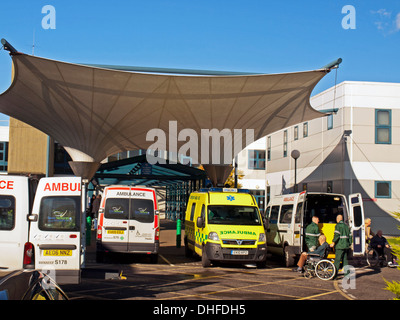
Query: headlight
(213, 236)
(261, 238)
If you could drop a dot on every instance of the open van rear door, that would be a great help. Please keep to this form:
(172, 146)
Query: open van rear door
(55, 229)
(356, 212)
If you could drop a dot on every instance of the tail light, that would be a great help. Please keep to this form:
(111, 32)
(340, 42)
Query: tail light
(99, 233)
(29, 256)
(156, 227)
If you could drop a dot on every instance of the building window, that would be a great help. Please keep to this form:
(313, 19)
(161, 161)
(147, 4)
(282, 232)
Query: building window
(329, 186)
(305, 129)
(257, 159)
(259, 196)
(3, 156)
(383, 126)
(330, 121)
(285, 143)
(383, 189)
(61, 159)
(296, 133)
(269, 148)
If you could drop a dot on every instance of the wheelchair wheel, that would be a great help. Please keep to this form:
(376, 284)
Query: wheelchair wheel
(372, 257)
(325, 270)
(307, 274)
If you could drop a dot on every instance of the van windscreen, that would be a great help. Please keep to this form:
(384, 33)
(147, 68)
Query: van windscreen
(60, 213)
(141, 210)
(233, 215)
(7, 213)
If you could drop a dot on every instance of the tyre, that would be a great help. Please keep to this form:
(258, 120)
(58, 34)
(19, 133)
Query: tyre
(205, 262)
(100, 256)
(154, 258)
(325, 270)
(372, 257)
(289, 257)
(188, 252)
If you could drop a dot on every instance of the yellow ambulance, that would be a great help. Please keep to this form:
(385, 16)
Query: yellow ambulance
(224, 225)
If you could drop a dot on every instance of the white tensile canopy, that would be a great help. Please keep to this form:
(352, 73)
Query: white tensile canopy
(96, 112)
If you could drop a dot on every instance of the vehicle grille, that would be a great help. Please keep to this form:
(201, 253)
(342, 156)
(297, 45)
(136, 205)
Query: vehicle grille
(239, 242)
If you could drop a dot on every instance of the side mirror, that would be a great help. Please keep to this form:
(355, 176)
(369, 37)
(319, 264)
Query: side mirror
(200, 222)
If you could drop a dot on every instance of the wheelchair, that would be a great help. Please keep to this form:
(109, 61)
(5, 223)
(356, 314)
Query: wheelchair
(323, 267)
(374, 258)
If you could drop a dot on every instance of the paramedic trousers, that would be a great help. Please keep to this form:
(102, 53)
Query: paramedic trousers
(341, 256)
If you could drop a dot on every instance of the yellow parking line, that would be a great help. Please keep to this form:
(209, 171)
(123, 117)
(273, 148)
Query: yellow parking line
(317, 295)
(336, 285)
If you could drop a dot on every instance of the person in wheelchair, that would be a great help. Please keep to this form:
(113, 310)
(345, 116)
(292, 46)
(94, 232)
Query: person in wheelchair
(319, 252)
(381, 245)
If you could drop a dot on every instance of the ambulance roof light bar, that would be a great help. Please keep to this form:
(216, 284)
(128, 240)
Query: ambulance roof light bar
(224, 190)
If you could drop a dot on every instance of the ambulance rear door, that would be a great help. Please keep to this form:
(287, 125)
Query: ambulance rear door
(55, 229)
(298, 227)
(114, 219)
(14, 209)
(143, 222)
(356, 212)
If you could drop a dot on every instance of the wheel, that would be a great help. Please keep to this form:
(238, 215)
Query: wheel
(205, 262)
(262, 264)
(307, 274)
(100, 256)
(325, 270)
(372, 257)
(154, 258)
(188, 252)
(289, 258)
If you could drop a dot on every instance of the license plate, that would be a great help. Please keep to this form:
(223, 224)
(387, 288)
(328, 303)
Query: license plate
(115, 231)
(239, 252)
(57, 252)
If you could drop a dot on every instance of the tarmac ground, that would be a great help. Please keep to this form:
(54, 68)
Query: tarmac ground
(176, 277)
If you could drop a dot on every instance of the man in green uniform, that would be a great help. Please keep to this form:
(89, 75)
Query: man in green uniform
(342, 241)
(312, 234)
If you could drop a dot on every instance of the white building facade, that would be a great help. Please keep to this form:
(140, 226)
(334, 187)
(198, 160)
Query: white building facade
(354, 148)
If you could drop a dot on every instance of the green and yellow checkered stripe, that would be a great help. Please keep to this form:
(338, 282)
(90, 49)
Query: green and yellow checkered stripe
(200, 237)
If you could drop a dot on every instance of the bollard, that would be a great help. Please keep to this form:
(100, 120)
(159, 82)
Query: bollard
(88, 230)
(178, 233)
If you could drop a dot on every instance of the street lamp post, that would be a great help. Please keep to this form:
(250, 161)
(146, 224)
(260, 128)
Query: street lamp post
(295, 155)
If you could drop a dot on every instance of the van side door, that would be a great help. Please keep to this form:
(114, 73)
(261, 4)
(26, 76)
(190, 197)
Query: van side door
(298, 227)
(357, 226)
(14, 207)
(285, 224)
(55, 228)
(273, 239)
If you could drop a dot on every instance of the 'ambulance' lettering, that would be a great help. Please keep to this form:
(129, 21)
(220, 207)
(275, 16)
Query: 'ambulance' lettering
(62, 186)
(6, 184)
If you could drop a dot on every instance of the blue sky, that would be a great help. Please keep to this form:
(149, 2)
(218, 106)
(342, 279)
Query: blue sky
(262, 36)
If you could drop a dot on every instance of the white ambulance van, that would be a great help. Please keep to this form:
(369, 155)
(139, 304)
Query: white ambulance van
(55, 228)
(288, 215)
(128, 222)
(40, 224)
(16, 197)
